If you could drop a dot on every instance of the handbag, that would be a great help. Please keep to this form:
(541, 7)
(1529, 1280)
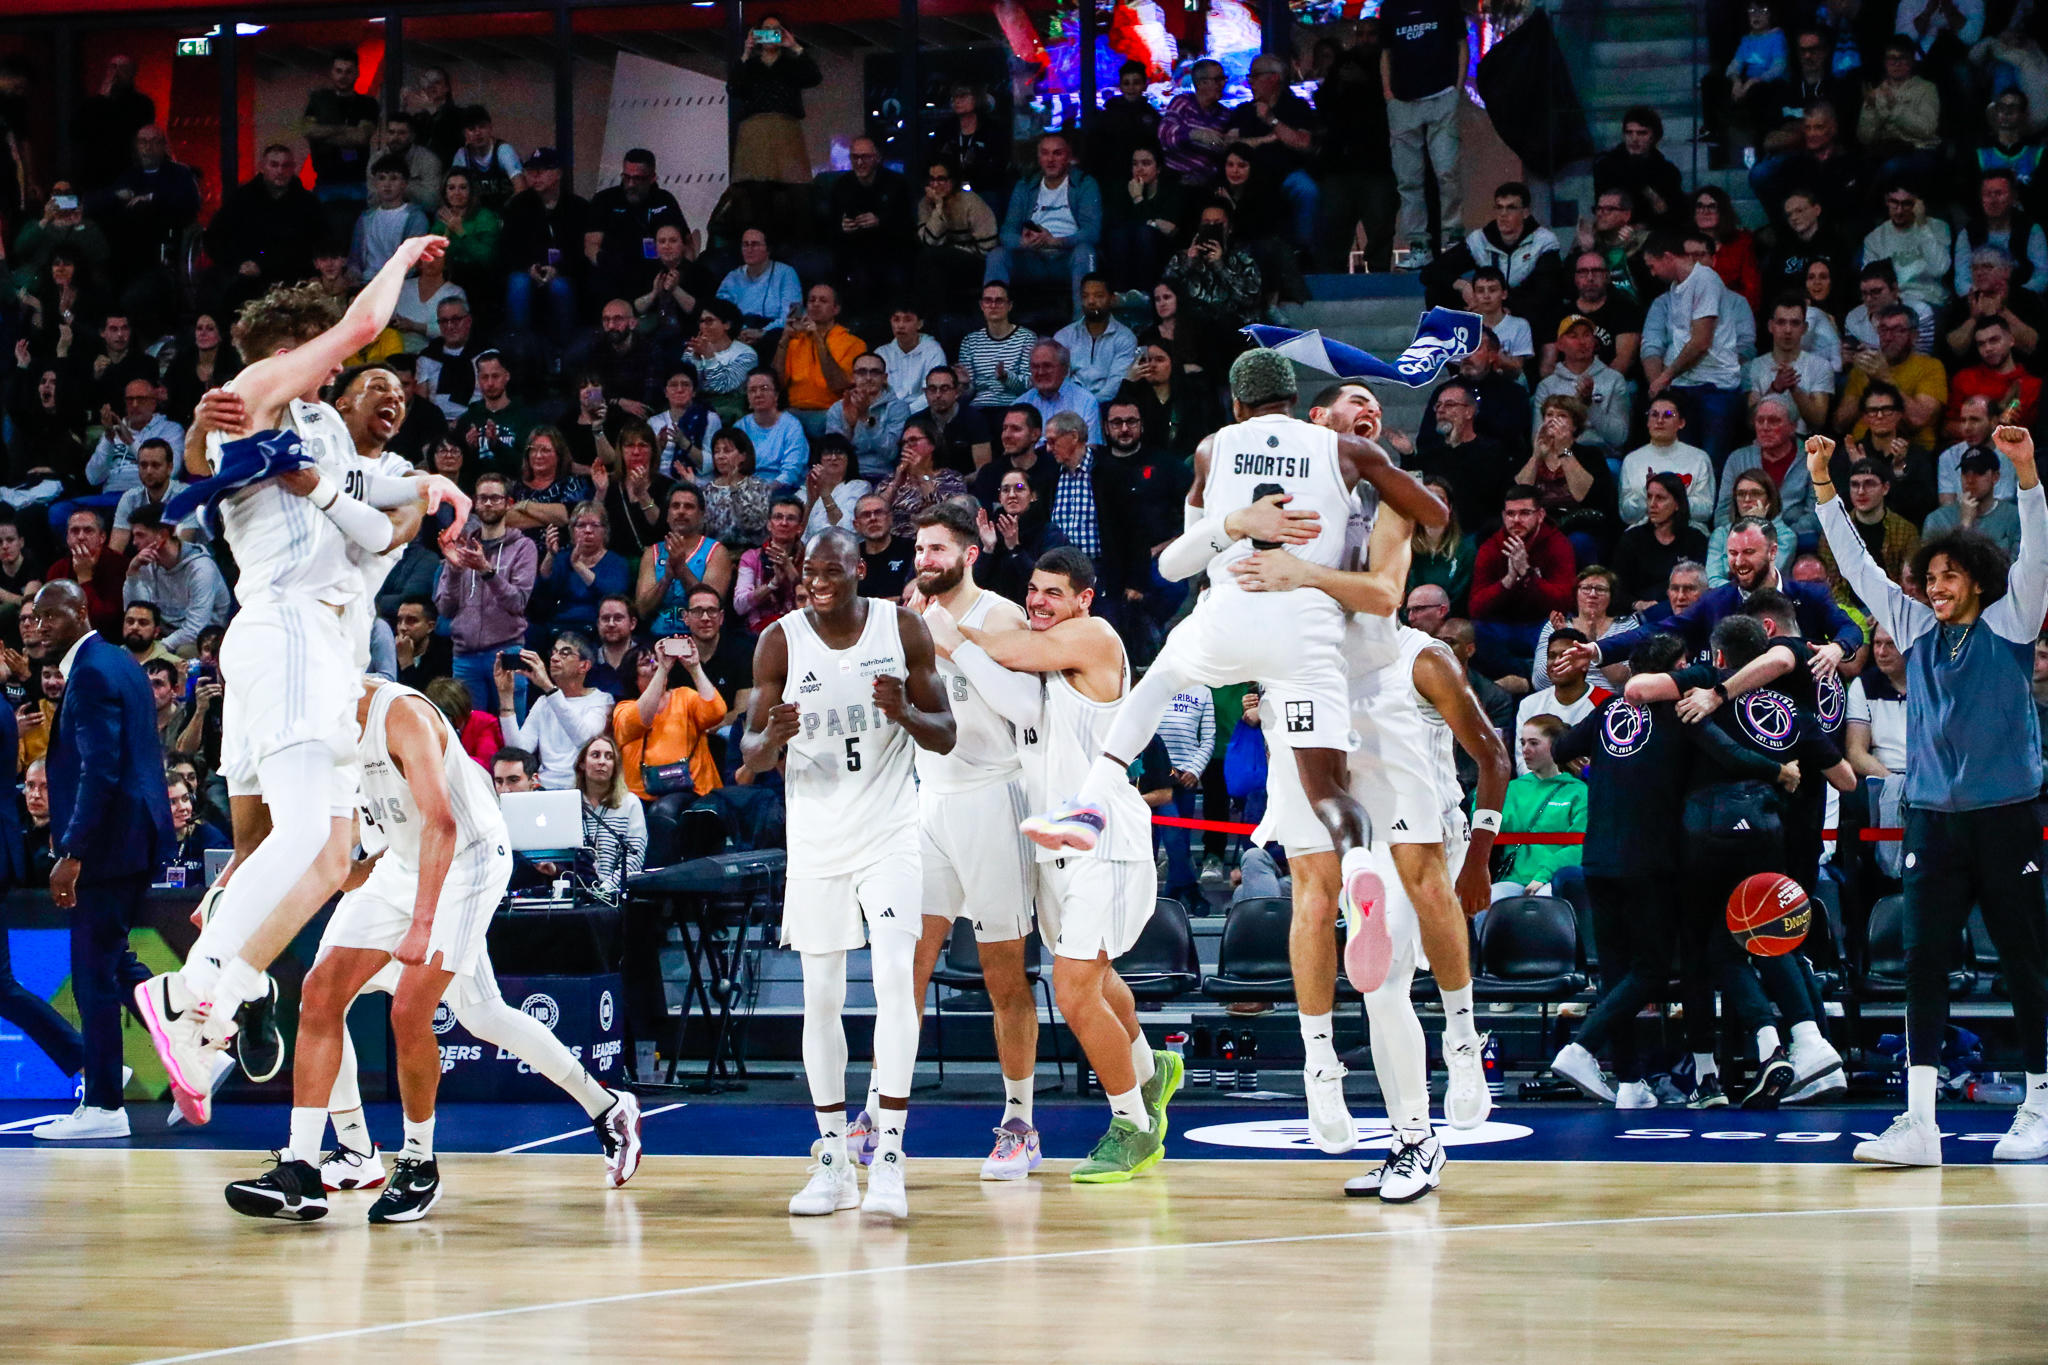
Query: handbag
(665, 779)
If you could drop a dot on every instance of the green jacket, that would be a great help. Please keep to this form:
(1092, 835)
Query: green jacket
(1542, 805)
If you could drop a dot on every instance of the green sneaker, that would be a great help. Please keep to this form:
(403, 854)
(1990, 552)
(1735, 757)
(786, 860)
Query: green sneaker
(1125, 1151)
(1167, 1070)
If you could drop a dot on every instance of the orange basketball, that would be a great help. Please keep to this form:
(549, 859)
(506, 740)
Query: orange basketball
(1769, 914)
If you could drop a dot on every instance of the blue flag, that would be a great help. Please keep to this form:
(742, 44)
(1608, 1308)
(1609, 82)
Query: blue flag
(1443, 337)
(251, 459)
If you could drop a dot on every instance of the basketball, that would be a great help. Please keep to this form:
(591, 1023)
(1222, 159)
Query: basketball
(1769, 914)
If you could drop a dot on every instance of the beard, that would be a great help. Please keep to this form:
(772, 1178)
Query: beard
(135, 644)
(938, 582)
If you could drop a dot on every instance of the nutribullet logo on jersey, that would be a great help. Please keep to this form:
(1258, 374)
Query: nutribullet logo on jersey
(543, 1008)
(444, 1017)
(1767, 717)
(1830, 700)
(1625, 729)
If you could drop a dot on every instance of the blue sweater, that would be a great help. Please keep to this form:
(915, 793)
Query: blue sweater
(1819, 619)
(1973, 739)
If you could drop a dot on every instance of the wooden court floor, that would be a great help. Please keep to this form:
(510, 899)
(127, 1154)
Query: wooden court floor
(130, 1255)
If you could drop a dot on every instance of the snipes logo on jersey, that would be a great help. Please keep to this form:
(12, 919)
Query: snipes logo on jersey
(1292, 1135)
(809, 685)
(1768, 719)
(1625, 729)
(543, 1008)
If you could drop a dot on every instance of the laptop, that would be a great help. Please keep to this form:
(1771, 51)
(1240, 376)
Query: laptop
(544, 824)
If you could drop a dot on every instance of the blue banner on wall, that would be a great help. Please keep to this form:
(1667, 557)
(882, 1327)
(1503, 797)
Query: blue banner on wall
(588, 1014)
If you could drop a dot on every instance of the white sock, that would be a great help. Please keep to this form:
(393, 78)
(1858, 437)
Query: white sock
(199, 974)
(1130, 1106)
(1806, 1033)
(1017, 1097)
(889, 1126)
(347, 1097)
(2037, 1091)
(419, 1139)
(1105, 775)
(1920, 1084)
(351, 1131)
(1459, 1024)
(1141, 1058)
(309, 1125)
(590, 1092)
(1766, 1042)
(239, 983)
(874, 1093)
(1319, 1044)
(832, 1123)
(1704, 1065)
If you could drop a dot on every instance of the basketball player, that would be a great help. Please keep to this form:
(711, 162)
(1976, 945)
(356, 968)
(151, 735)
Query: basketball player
(969, 803)
(287, 661)
(847, 687)
(1289, 641)
(426, 903)
(1092, 904)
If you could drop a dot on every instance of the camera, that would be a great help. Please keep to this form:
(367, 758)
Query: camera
(512, 659)
(768, 35)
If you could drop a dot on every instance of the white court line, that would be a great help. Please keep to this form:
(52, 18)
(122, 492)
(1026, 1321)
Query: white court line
(692, 1291)
(645, 1114)
(20, 1124)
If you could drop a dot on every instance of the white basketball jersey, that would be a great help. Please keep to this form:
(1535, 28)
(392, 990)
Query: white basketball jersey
(1400, 731)
(1057, 754)
(985, 747)
(286, 548)
(386, 797)
(850, 781)
(1276, 454)
(374, 568)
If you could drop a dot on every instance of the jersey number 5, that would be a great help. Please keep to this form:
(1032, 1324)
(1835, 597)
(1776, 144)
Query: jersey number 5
(853, 755)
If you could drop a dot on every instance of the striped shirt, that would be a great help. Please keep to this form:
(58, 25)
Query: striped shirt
(1189, 729)
(980, 353)
(616, 837)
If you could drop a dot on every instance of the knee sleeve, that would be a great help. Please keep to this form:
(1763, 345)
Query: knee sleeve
(522, 1035)
(1400, 1053)
(896, 1015)
(824, 1031)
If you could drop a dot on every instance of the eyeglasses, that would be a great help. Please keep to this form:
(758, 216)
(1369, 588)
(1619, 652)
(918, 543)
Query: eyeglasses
(1609, 208)
(938, 180)
(1900, 201)
(1126, 422)
(703, 611)
(1878, 409)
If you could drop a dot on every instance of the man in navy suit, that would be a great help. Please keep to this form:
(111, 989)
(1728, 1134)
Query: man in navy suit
(110, 827)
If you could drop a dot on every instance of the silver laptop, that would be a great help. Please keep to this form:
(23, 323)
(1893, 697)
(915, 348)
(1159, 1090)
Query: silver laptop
(216, 863)
(544, 822)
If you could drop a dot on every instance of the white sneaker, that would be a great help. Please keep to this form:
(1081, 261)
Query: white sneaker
(2026, 1140)
(1016, 1154)
(1467, 1101)
(1812, 1061)
(1367, 1185)
(1635, 1095)
(1831, 1086)
(1582, 1069)
(1412, 1171)
(1329, 1122)
(832, 1188)
(83, 1124)
(344, 1168)
(618, 1132)
(886, 1196)
(174, 1017)
(223, 1067)
(1908, 1142)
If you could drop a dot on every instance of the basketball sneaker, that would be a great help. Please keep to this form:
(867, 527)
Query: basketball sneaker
(1017, 1152)
(1467, 1101)
(618, 1129)
(289, 1190)
(86, 1123)
(1413, 1170)
(414, 1188)
(259, 1043)
(1167, 1070)
(1708, 1094)
(345, 1168)
(1635, 1095)
(1368, 946)
(1582, 1069)
(1367, 1185)
(2026, 1140)
(1832, 1086)
(174, 1018)
(1329, 1120)
(223, 1067)
(1773, 1078)
(1908, 1142)
(1070, 826)
(1125, 1150)
(886, 1197)
(832, 1188)
(1813, 1060)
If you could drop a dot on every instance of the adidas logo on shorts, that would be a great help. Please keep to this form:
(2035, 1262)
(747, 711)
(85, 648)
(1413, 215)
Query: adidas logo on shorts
(1399, 825)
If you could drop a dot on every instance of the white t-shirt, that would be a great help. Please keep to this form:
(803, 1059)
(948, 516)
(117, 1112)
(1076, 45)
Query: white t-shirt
(1699, 296)
(1514, 334)
(1887, 722)
(1815, 376)
(1052, 212)
(1948, 474)
(1547, 703)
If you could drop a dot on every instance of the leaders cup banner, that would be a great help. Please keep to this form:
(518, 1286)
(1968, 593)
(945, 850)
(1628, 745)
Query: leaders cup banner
(588, 1013)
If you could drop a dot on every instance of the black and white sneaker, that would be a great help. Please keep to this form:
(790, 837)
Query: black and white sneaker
(1773, 1078)
(259, 1045)
(414, 1187)
(618, 1129)
(1414, 1169)
(1368, 1185)
(1708, 1094)
(290, 1190)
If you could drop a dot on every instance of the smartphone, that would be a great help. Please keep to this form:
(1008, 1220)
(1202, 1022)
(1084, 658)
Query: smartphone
(512, 659)
(768, 35)
(1033, 227)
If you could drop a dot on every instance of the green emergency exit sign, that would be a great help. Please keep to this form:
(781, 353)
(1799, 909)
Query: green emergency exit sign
(195, 47)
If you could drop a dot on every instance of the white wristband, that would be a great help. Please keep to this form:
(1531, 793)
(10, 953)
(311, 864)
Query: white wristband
(324, 494)
(1488, 820)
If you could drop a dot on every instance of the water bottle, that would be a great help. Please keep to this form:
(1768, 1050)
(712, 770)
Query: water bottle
(1489, 1065)
(1226, 1060)
(1248, 1067)
(1994, 1089)
(1198, 1047)
(1177, 1043)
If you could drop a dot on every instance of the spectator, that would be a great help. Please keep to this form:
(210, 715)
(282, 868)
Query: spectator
(1992, 295)
(1084, 504)
(1999, 221)
(389, 218)
(565, 714)
(113, 468)
(1616, 319)
(618, 647)
(768, 573)
(889, 558)
(1581, 375)
(1973, 426)
(1995, 377)
(1875, 743)
(1217, 286)
(1900, 126)
(1821, 163)
(1752, 497)
(492, 166)
(1175, 408)
(1736, 101)
(1280, 126)
(1523, 572)
(869, 417)
(142, 629)
(684, 558)
(546, 226)
(590, 571)
(18, 579)
(1499, 705)
(472, 228)
(735, 498)
(1599, 595)
(424, 654)
(1878, 284)
(106, 122)
(338, 125)
(94, 567)
(1612, 235)
(1914, 484)
(546, 488)
(515, 770)
(621, 223)
(1978, 508)
(1569, 696)
(614, 826)
(1647, 551)
(1428, 606)
(1890, 538)
(1142, 214)
(766, 89)
(1775, 454)
(814, 361)
(830, 492)
(917, 483)
(1099, 348)
(626, 366)
(1477, 467)
(117, 364)
(1013, 536)
(668, 307)
(1919, 246)
(625, 483)
(1126, 124)
(163, 689)
(1734, 256)
(146, 211)
(995, 358)
(438, 119)
(1188, 730)
(1790, 371)
(2011, 146)
(1807, 233)
(193, 834)
(180, 579)
(446, 367)
(968, 140)
(494, 429)
(1524, 252)
(728, 656)
(1150, 486)
(1054, 391)
(1053, 225)
(1812, 80)
(485, 588)
(1422, 74)
(1191, 130)
(780, 445)
(1485, 293)
(909, 357)
(1019, 449)
(663, 726)
(869, 223)
(423, 169)
(956, 231)
(1540, 800)
(265, 231)
(1442, 559)
(723, 362)
(1570, 478)
(1356, 155)
(765, 290)
(1919, 381)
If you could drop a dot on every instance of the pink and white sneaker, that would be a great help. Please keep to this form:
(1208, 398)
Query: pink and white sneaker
(1017, 1152)
(1069, 827)
(1369, 948)
(618, 1128)
(175, 1020)
(861, 1139)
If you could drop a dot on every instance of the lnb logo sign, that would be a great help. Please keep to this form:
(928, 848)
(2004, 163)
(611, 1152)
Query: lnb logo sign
(605, 1011)
(543, 1008)
(444, 1017)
